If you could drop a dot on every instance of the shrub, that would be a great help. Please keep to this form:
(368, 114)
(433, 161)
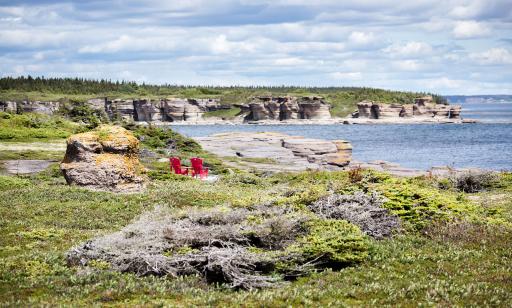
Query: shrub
(364, 211)
(83, 113)
(332, 241)
(471, 182)
(355, 175)
(157, 137)
(419, 205)
(10, 182)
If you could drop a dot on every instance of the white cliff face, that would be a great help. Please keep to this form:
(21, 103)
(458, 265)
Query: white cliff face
(423, 107)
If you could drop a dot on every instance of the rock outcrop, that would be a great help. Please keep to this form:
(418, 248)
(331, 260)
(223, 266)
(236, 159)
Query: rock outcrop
(105, 159)
(8, 106)
(167, 110)
(48, 108)
(422, 107)
(274, 152)
(282, 108)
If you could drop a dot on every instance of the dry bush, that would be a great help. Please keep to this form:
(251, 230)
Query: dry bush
(217, 245)
(474, 181)
(361, 209)
(355, 175)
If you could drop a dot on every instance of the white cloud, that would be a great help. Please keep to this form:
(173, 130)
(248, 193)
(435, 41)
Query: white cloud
(292, 61)
(493, 56)
(470, 29)
(468, 10)
(131, 43)
(400, 45)
(408, 65)
(361, 38)
(408, 49)
(347, 75)
(444, 83)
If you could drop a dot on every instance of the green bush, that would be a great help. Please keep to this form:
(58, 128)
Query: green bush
(419, 205)
(332, 241)
(10, 182)
(157, 137)
(33, 126)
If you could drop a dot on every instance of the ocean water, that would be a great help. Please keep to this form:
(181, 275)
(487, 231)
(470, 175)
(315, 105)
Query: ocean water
(485, 145)
(500, 112)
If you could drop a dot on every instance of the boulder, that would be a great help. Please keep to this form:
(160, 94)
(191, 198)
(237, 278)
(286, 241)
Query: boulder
(104, 159)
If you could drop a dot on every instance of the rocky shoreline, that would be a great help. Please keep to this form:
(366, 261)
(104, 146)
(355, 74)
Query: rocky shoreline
(265, 110)
(269, 152)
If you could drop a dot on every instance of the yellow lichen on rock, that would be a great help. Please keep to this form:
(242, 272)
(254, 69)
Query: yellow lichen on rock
(104, 159)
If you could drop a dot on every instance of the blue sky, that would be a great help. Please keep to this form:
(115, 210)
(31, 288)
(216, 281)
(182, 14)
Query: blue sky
(447, 47)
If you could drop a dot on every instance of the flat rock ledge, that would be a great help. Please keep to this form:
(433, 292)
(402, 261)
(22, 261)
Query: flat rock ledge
(105, 159)
(276, 152)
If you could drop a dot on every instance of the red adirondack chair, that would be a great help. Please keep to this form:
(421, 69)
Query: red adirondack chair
(198, 169)
(175, 163)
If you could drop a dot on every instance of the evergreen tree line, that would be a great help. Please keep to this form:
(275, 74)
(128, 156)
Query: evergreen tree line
(103, 86)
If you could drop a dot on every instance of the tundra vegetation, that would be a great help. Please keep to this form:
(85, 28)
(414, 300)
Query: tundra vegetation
(302, 239)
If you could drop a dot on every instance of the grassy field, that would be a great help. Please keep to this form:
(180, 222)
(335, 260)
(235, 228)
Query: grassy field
(458, 255)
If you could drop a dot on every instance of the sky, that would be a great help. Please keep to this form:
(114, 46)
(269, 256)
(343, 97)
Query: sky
(440, 46)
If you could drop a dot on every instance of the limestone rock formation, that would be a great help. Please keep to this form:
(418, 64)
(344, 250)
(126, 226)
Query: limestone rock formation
(145, 111)
(422, 107)
(105, 159)
(314, 108)
(120, 109)
(8, 106)
(283, 108)
(48, 108)
(274, 152)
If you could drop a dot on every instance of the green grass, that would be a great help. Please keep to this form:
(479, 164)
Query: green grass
(440, 265)
(31, 154)
(223, 113)
(35, 127)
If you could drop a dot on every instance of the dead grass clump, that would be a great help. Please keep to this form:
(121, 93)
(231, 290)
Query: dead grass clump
(364, 211)
(463, 232)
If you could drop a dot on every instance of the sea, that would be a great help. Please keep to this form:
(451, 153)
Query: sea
(486, 145)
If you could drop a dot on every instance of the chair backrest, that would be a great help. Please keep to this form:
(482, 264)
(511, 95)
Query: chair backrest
(176, 164)
(197, 164)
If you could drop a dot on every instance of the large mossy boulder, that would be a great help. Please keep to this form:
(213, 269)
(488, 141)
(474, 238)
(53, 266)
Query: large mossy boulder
(104, 159)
